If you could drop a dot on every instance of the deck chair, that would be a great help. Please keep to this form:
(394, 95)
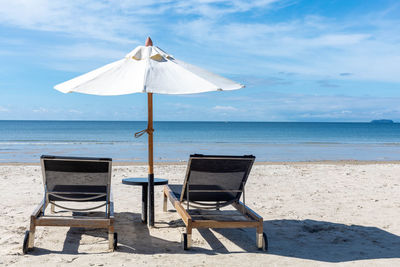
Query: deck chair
(211, 183)
(74, 179)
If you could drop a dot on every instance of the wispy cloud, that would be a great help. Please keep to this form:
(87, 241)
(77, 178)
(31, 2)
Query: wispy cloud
(327, 83)
(345, 74)
(365, 45)
(256, 42)
(213, 9)
(111, 20)
(270, 106)
(40, 110)
(224, 108)
(264, 81)
(79, 57)
(305, 107)
(311, 45)
(93, 19)
(75, 111)
(83, 51)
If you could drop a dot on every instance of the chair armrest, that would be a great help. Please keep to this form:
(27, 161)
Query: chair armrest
(247, 211)
(178, 205)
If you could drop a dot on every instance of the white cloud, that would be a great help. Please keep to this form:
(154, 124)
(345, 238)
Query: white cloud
(180, 106)
(114, 21)
(80, 57)
(224, 108)
(74, 111)
(364, 46)
(40, 110)
(305, 107)
(3, 109)
(85, 51)
(217, 8)
(94, 19)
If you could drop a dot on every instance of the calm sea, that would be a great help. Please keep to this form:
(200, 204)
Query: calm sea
(25, 141)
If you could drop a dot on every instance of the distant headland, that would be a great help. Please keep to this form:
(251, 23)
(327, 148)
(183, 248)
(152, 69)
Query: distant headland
(382, 121)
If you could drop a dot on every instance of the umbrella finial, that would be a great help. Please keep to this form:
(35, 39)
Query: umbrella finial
(149, 42)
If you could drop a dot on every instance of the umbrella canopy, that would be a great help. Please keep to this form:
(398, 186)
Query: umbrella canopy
(147, 69)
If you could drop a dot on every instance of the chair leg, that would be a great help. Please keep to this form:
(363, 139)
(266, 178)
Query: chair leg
(111, 237)
(259, 235)
(189, 237)
(165, 202)
(52, 208)
(32, 228)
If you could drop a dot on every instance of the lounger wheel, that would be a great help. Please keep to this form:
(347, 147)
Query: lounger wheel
(184, 240)
(25, 248)
(115, 244)
(264, 242)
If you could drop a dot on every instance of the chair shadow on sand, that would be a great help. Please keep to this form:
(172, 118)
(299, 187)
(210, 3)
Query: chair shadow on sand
(304, 239)
(133, 237)
(317, 240)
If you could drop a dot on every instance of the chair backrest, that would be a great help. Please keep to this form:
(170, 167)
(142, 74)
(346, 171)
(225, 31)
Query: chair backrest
(219, 179)
(76, 178)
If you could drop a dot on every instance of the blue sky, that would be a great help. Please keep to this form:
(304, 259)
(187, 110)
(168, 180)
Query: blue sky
(300, 60)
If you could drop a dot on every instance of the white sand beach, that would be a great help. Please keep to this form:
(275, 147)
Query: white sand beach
(323, 213)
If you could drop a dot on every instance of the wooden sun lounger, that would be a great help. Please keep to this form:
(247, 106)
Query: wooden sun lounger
(211, 183)
(74, 179)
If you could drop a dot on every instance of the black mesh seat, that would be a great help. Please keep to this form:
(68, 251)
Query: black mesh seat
(78, 193)
(215, 181)
(76, 179)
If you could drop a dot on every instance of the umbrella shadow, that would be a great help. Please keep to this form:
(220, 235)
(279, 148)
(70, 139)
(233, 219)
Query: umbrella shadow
(316, 240)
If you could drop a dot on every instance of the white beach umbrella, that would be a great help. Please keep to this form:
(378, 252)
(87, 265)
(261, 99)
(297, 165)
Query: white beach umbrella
(147, 69)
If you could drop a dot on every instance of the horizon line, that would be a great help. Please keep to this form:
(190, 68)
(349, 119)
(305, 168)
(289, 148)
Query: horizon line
(224, 121)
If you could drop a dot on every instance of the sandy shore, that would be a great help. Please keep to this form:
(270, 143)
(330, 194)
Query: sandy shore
(315, 214)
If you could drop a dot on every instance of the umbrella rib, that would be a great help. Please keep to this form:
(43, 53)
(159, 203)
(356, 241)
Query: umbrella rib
(198, 76)
(146, 74)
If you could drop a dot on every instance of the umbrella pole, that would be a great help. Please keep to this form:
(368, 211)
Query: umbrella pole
(151, 170)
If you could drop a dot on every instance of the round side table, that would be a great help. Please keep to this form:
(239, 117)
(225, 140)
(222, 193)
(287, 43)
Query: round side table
(144, 183)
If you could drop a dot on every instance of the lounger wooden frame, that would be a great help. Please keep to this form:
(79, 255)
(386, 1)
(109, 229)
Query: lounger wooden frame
(252, 219)
(38, 219)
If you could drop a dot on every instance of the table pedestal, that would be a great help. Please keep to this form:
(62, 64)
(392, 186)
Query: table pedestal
(147, 206)
(144, 203)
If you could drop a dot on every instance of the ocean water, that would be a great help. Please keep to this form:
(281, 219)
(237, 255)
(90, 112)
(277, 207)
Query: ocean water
(25, 141)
